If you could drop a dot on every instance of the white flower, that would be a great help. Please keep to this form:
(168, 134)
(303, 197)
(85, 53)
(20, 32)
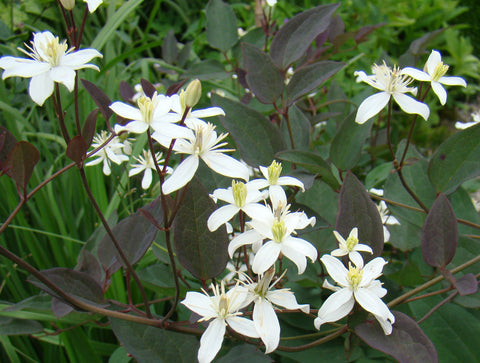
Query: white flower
(273, 180)
(146, 163)
(201, 143)
(355, 284)
(277, 225)
(223, 308)
(92, 4)
(241, 197)
(111, 152)
(193, 117)
(264, 316)
(233, 271)
(50, 62)
(464, 125)
(387, 219)
(151, 112)
(350, 247)
(391, 83)
(271, 3)
(434, 72)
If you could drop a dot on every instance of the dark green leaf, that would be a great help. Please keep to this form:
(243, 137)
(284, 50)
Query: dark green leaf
(13, 326)
(221, 27)
(440, 233)
(407, 343)
(293, 39)
(20, 163)
(264, 79)
(456, 160)
(356, 209)
(148, 344)
(310, 77)
(209, 69)
(377, 175)
(311, 162)
(134, 234)
(76, 149)
(256, 137)
(201, 252)
(169, 47)
(347, 145)
(300, 126)
(244, 353)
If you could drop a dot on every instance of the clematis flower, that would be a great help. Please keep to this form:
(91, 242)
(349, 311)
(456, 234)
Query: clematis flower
(111, 152)
(241, 197)
(391, 83)
(434, 72)
(277, 225)
(359, 284)
(50, 62)
(263, 296)
(201, 143)
(274, 181)
(93, 4)
(464, 125)
(387, 219)
(146, 164)
(221, 309)
(350, 247)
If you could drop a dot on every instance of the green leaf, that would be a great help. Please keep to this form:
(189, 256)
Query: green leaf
(201, 252)
(209, 69)
(221, 27)
(256, 137)
(293, 39)
(148, 344)
(12, 326)
(456, 160)
(348, 143)
(113, 23)
(264, 79)
(407, 343)
(311, 162)
(310, 77)
(377, 175)
(244, 353)
(356, 209)
(440, 233)
(169, 47)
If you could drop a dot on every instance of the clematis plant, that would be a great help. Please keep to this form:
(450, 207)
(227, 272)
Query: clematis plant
(350, 247)
(50, 61)
(147, 165)
(113, 151)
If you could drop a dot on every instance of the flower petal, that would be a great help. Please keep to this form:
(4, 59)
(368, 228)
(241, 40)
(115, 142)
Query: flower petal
(286, 298)
(225, 165)
(221, 216)
(64, 75)
(200, 304)
(40, 88)
(126, 111)
(372, 270)
(79, 59)
(453, 81)
(410, 105)
(290, 181)
(335, 269)
(245, 238)
(337, 306)
(211, 341)
(147, 178)
(433, 59)
(181, 175)
(372, 303)
(208, 112)
(266, 324)
(416, 74)
(266, 256)
(371, 106)
(21, 67)
(440, 92)
(243, 326)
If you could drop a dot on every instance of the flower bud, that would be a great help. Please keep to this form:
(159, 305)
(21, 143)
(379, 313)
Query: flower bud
(193, 93)
(68, 4)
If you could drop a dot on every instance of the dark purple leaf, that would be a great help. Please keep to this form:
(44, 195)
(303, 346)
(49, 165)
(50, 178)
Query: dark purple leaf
(76, 149)
(126, 91)
(407, 343)
(59, 308)
(88, 130)
(13, 326)
(467, 284)
(99, 97)
(7, 143)
(295, 37)
(20, 163)
(362, 33)
(174, 88)
(311, 77)
(201, 252)
(148, 88)
(440, 233)
(135, 235)
(88, 263)
(264, 79)
(221, 25)
(336, 28)
(75, 283)
(356, 209)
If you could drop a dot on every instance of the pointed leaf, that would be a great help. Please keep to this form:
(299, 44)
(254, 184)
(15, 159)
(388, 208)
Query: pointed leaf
(407, 343)
(88, 129)
(456, 160)
(356, 209)
(76, 149)
(73, 282)
(440, 233)
(169, 47)
(148, 344)
(256, 137)
(293, 39)
(174, 88)
(221, 27)
(264, 79)
(148, 88)
(99, 97)
(311, 162)
(135, 235)
(466, 285)
(126, 91)
(201, 252)
(310, 77)
(20, 163)
(13, 326)
(348, 143)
